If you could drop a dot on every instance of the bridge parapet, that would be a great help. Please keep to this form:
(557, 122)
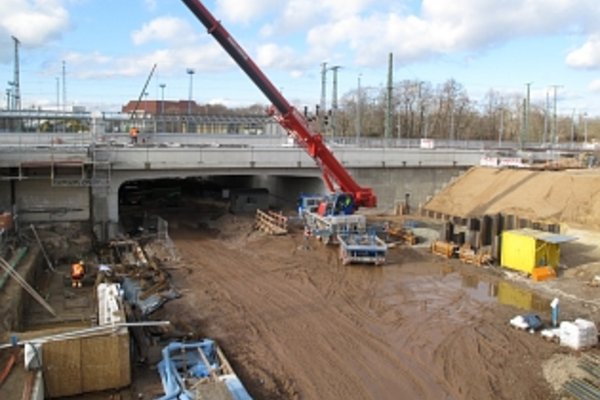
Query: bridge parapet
(205, 157)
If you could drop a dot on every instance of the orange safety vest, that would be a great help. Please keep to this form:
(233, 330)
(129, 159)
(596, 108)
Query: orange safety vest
(77, 271)
(133, 132)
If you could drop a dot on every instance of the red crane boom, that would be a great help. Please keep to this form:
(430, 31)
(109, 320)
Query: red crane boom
(289, 118)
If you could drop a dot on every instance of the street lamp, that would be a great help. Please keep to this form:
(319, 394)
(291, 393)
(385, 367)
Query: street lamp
(162, 105)
(190, 72)
(162, 97)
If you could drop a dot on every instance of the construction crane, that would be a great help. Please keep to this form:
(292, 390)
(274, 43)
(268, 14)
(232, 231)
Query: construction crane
(139, 100)
(335, 176)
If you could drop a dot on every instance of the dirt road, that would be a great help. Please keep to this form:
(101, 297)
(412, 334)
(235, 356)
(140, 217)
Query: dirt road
(296, 324)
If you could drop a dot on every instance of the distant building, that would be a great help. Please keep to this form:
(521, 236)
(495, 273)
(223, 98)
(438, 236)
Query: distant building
(189, 117)
(158, 107)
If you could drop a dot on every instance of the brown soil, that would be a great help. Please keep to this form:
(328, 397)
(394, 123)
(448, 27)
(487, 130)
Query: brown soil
(296, 324)
(571, 197)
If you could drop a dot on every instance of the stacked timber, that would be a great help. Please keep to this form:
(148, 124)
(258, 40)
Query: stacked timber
(407, 236)
(444, 249)
(469, 255)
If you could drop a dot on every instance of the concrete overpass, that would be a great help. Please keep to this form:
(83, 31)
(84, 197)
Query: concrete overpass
(74, 177)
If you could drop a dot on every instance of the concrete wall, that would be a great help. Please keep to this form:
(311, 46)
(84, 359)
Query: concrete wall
(5, 204)
(38, 201)
(285, 190)
(391, 184)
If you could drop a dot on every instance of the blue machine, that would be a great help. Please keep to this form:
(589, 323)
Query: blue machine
(184, 363)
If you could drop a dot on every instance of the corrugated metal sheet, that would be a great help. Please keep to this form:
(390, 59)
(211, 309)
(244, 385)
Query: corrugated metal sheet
(544, 236)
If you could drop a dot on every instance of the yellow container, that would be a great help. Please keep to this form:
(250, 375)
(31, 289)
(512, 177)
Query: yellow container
(526, 249)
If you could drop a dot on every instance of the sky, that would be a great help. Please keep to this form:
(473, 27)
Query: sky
(109, 48)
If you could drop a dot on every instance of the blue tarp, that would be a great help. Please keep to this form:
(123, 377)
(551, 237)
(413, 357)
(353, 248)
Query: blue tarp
(133, 294)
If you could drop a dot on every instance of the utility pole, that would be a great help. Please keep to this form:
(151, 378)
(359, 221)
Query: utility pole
(16, 78)
(585, 125)
(390, 89)
(57, 94)
(358, 110)
(64, 87)
(554, 138)
(323, 96)
(546, 112)
(190, 72)
(501, 131)
(421, 110)
(523, 119)
(527, 105)
(334, 100)
(573, 128)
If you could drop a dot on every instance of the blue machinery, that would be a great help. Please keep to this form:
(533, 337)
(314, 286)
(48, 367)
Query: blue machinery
(188, 367)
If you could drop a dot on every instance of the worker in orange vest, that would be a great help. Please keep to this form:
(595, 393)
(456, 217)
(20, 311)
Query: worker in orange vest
(133, 133)
(77, 273)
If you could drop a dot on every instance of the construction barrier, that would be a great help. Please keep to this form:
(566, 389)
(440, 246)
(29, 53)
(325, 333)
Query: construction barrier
(271, 222)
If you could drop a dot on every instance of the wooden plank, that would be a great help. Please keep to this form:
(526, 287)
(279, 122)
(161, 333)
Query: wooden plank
(105, 363)
(9, 365)
(88, 364)
(62, 368)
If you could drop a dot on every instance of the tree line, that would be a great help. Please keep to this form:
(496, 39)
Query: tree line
(445, 111)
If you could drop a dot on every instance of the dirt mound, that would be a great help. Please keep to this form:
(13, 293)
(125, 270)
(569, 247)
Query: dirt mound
(571, 196)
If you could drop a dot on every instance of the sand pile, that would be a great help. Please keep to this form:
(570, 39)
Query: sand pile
(570, 197)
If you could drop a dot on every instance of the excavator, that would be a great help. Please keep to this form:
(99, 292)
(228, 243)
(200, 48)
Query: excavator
(347, 195)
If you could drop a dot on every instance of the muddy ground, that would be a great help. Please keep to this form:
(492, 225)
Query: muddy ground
(296, 324)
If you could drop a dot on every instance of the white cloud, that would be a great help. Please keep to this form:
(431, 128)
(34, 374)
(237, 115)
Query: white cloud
(586, 56)
(203, 58)
(244, 11)
(168, 29)
(300, 15)
(595, 86)
(34, 22)
(271, 55)
(94, 58)
(443, 27)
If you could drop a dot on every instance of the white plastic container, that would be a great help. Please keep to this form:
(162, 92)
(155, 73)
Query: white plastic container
(578, 334)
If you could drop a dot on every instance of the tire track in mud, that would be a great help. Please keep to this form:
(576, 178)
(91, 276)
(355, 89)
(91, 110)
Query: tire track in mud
(301, 325)
(298, 326)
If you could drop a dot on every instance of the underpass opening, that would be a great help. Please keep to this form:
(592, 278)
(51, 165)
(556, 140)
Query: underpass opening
(198, 201)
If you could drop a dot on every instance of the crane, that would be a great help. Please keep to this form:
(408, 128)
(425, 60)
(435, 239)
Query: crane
(288, 117)
(139, 100)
